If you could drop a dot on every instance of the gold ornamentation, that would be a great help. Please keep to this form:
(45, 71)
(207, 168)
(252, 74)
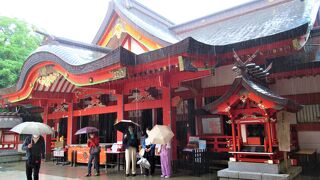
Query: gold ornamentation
(61, 108)
(119, 73)
(95, 102)
(48, 80)
(118, 29)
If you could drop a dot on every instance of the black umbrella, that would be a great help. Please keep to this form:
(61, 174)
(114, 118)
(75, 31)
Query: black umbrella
(124, 124)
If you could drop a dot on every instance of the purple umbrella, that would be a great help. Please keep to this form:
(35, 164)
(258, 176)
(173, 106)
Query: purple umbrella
(86, 130)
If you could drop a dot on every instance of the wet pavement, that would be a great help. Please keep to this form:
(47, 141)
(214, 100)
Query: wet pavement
(50, 171)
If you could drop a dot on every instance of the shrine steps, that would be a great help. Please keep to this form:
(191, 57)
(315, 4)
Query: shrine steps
(258, 171)
(10, 156)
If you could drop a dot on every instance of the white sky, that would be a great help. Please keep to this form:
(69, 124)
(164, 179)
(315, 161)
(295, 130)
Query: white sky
(80, 19)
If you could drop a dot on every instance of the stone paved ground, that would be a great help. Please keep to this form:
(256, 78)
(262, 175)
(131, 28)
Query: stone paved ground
(49, 171)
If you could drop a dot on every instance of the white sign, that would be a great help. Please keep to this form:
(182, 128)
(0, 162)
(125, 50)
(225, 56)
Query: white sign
(58, 153)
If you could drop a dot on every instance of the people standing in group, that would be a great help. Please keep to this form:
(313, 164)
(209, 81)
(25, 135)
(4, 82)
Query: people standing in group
(130, 143)
(149, 154)
(93, 144)
(35, 151)
(165, 158)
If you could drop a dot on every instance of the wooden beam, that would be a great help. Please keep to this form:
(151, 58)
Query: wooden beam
(52, 96)
(144, 83)
(84, 112)
(143, 105)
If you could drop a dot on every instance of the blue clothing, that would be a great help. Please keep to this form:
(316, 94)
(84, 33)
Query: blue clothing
(94, 157)
(38, 149)
(144, 144)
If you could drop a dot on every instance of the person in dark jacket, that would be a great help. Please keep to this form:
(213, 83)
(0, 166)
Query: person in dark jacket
(93, 142)
(130, 143)
(35, 151)
(149, 154)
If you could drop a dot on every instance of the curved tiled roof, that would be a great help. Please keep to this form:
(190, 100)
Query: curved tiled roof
(253, 20)
(263, 92)
(151, 24)
(260, 23)
(79, 58)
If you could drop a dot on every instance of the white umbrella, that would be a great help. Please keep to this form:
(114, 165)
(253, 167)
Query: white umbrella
(35, 128)
(160, 134)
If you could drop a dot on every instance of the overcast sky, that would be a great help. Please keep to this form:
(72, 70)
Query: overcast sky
(80, 19)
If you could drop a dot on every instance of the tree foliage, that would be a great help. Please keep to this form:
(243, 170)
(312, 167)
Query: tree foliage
(17, 41)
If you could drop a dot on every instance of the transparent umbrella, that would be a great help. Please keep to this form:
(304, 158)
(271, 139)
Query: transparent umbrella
(35, 128)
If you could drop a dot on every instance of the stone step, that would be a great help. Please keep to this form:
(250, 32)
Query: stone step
(10, 158)
(224, 174)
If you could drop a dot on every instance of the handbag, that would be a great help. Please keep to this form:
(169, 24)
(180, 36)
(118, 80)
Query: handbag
(95, 150)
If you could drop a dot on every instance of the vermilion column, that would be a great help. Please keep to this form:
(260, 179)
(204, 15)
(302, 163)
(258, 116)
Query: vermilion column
(199, 104)
(169, 118)
(72, 125)
(234, 143)
(269, 135)
(120, 113)
(47, 138)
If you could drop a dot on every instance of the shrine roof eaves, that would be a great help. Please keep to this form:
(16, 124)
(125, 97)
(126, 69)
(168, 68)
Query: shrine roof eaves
(256, 88)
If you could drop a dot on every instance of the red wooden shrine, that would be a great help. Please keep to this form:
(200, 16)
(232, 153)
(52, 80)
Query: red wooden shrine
(141, 61)
(252, 110)
(8, 139)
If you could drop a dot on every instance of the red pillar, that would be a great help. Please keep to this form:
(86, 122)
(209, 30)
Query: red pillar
(72, 125)
(169, 118)
(269, 135)
(274, 132)
(234, 144)
(120, 113)
(47, 138)
(198, 103)
(239, 136)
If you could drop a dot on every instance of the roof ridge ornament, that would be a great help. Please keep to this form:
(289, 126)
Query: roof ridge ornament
(249, 69)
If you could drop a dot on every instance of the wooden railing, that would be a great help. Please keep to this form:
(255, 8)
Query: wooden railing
(216, 143)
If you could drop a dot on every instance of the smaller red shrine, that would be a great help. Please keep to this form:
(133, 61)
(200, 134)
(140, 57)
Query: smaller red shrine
(252, 109)
(8, 139)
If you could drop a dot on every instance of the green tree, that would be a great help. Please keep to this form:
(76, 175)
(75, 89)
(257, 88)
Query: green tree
(17, 41)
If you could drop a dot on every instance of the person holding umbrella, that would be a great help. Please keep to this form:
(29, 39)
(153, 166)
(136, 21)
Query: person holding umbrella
(93, 144)
(161, 134)
(165, 160)
(34, 145)
(130, 143)
(35, 151)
